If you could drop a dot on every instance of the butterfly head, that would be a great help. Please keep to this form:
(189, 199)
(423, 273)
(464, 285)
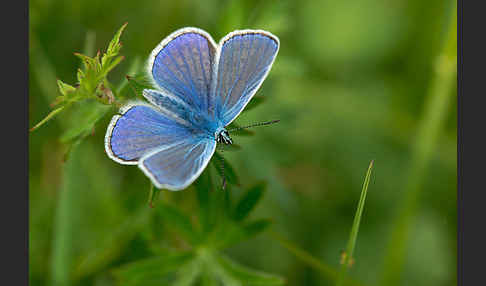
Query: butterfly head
(223, 137)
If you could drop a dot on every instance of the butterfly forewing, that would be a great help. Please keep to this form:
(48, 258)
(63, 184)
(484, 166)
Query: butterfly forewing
(141, 129)
(182, 66)
(245, 58)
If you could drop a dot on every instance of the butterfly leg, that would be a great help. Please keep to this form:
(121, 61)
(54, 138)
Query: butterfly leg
(222, 168)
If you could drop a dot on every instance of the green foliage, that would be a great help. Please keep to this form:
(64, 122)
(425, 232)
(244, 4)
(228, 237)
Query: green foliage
(92, 84)
(347, 256)
(220, 225)
(248, 201)
(346, 95)
(217, 230)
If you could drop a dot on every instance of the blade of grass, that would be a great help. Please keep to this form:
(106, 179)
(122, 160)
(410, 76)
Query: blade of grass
(323, 268)
(354, 229)
(62, 251)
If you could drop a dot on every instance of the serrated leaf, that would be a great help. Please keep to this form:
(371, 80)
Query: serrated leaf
(254, 102)
(229, 172)
(180, 221)
(244, 275)
(152, 271)
(248, 201)
(80, 75)
(65, 88)
(233, 233)
(115, 42)
(107, 67)
(113, 47)
(89, 63)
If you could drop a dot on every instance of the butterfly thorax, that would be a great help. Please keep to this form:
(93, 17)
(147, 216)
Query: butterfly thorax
(222, 136)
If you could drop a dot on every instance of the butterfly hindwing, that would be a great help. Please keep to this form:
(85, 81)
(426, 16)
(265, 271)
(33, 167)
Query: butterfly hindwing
(176, 166)
(243, 60)
(182, 64)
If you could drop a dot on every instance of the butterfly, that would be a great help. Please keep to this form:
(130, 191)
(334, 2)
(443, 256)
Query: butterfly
(201, 88)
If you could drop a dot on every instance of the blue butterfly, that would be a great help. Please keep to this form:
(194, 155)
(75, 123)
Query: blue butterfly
(202, 88)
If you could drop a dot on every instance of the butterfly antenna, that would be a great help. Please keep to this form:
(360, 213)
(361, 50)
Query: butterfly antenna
(253, 125)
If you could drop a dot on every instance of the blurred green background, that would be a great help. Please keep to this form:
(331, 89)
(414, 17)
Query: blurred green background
(354, 80)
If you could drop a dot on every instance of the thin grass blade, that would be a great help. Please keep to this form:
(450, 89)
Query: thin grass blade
(348, 255)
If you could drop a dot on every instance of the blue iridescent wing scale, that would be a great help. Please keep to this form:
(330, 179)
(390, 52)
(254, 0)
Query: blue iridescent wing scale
(139, 129)
(181, 65)
(169, 153)
(176, 166)
(244, 59)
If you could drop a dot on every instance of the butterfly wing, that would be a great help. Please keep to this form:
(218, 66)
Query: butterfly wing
(176, 166)
(244, 59)
(181, 66)
(171, 154)
(138, 130)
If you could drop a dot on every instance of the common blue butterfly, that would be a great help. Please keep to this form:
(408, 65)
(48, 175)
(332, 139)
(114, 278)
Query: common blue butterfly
(201, 88)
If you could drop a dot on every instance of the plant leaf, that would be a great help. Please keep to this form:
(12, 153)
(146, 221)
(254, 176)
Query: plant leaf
(249, 200)
(355, 228)
(113, 246)
(83, 119)
(152, 271)
(178, 220)
(65, 88)
(233, 233)
(234, 271)
(114, 46)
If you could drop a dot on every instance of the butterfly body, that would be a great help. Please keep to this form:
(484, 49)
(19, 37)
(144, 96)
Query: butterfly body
(201, 88)
(223, 137)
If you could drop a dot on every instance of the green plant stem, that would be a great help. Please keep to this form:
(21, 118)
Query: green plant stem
(62, 256)
(63, 226)
(325, 269)
(348, 255)
(439, 99)
(47, 118)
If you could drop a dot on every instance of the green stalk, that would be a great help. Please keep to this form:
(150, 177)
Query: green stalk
(325, 269)
(62, 247)
(438, 102)
(348, 255)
